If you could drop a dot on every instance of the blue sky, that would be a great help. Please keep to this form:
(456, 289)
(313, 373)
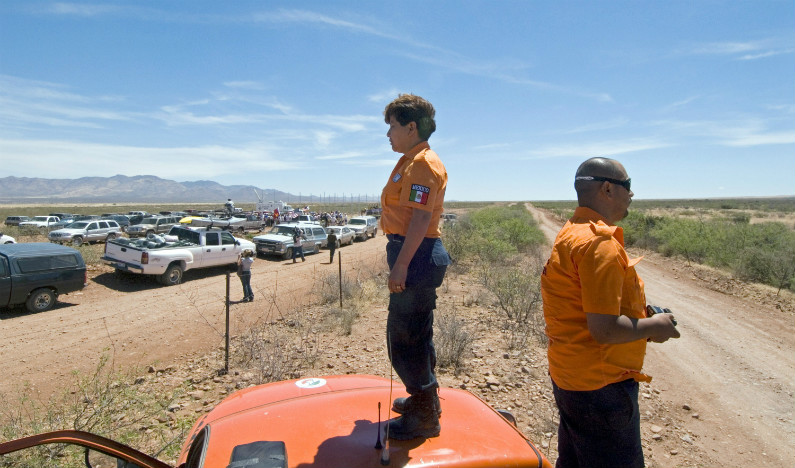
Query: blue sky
(696, 98)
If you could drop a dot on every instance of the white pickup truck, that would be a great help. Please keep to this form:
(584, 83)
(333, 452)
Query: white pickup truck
(187, 248)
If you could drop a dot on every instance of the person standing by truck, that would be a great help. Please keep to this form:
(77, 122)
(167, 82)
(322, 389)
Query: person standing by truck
(332, 245)
(298, 244)
(244, 271)
(412, 202)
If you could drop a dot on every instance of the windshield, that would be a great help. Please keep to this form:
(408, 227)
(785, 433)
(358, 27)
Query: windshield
(149, 221)
(185, 235)
(358, 221)
(283, 230)
(78, 225)
(40, 218)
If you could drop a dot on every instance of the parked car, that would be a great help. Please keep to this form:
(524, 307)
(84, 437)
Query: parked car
(450, 218)
(39, 222)
(364, 226)
(279, 240)
(35, 274)
(153, 225)
(15, 220)
(4, 239)
(67, 221)
(191, 248)
(327, 421)
(86, 231)
(344, 234)
(123, 220)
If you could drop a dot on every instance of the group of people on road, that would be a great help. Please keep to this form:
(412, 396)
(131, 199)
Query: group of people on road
(593, 299)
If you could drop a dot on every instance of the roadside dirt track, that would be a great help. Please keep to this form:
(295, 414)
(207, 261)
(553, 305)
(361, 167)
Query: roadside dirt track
(734, 365)
(135, 321)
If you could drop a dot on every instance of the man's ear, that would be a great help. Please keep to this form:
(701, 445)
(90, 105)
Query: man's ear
(606, 189)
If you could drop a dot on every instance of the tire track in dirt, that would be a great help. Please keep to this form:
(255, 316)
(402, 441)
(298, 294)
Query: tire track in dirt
(137, 322)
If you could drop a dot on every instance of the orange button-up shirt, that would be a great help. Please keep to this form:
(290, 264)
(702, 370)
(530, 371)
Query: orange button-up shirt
(418, 181)
(589, 272)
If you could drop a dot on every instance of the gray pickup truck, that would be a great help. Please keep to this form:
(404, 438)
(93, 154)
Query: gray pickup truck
(35, 274)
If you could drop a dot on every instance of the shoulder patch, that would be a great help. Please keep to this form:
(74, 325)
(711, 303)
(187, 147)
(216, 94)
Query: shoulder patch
(419, 194)
(396, 178)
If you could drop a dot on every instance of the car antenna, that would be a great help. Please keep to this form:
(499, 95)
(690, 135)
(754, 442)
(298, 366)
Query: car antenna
(385, 450)
(378, 440)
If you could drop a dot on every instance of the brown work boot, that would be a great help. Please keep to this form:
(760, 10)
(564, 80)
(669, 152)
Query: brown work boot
(401, 405)
(420, 419)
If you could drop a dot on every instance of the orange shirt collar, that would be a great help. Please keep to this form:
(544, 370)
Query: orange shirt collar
(599, 224)
(423, 145)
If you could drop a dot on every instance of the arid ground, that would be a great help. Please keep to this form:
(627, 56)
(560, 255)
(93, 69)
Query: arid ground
(722, 395)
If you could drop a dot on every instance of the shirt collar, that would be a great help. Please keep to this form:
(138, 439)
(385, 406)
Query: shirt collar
(599, 224)
(423, 145)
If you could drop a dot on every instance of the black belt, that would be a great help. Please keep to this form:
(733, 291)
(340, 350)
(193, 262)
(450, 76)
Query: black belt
(395, 237)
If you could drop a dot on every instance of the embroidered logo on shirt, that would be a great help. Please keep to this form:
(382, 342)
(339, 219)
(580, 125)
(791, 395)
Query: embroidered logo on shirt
(419, 194)
(396, 178)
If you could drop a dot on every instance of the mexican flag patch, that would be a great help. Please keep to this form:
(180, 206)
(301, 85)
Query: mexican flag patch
(419, 194)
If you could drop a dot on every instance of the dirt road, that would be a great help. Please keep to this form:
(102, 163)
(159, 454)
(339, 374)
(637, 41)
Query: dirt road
(135, 321)
(733, 367)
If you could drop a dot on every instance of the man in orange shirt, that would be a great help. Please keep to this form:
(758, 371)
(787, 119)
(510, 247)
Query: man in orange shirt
(595, 312)
(412, 203)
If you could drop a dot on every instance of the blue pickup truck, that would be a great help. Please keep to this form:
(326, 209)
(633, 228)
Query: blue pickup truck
(35, 274)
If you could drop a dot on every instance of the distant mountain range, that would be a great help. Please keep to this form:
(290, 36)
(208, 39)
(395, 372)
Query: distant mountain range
(120, 189)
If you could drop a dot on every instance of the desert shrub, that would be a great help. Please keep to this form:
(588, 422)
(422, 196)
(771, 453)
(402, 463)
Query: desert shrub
(638, 228)
(494, 234)
(276, 353)
(516, 287)
(763, 252)
(328, 287)
(105, 402)
(452, 340)
(344, 318)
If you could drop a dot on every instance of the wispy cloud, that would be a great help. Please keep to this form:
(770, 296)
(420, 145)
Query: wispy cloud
(679, 104)
(598, 148)
(180, 163)
(384, 96)
(599, 126)
(82, 9)
(505, 70)
(346, 155)
(40, 102)
(735, 133)
(246, 85)
(745, 50)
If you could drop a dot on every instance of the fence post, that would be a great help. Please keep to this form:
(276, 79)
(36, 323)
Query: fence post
(226, 336)
(339, 262)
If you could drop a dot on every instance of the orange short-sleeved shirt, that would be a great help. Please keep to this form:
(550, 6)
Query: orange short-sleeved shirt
(589, 272)
(418, 181)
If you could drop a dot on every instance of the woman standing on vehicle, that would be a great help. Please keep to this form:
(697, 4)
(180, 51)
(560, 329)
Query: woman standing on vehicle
(412, 202)
(244, 271)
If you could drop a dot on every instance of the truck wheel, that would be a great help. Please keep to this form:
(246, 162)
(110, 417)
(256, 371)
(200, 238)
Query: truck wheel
(288, 254)
(40, 300)
(77, 241)
(172, 276)
(110, 237)
(146, 234)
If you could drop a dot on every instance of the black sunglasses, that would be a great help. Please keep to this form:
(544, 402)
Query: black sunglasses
(624, 183)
